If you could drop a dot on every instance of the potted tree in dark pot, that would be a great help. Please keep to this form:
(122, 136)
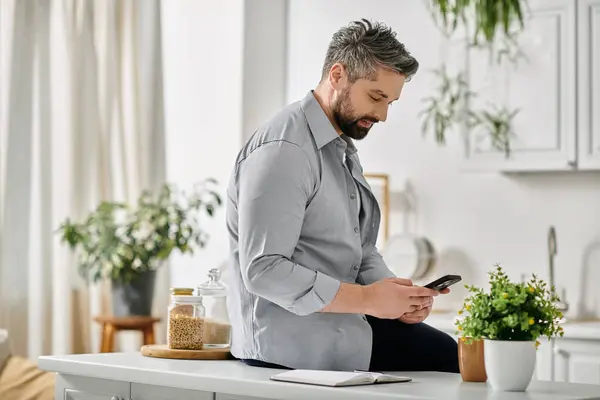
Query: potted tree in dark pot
(128, 243)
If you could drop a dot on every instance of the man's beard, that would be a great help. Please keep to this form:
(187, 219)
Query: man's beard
(343, 112)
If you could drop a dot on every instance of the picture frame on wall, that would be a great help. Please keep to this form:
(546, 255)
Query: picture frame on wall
(380, 185)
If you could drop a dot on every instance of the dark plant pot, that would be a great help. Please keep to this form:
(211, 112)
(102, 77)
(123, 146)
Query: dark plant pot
(135, 297)
(471, 361)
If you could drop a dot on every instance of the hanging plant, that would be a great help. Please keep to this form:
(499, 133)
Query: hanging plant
(508, 49)
(449, 111)
(491, 24)
(443, 111)
(497, 123)
(487, 18)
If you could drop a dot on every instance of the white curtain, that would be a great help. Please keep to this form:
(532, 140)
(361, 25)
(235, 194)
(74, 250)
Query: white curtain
(81, 121)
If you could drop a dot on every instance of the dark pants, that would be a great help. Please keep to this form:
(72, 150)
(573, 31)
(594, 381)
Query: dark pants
(411, 347)
(404, 347)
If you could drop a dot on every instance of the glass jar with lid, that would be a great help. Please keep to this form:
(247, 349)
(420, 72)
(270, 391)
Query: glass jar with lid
(185, 328)
(217, 329)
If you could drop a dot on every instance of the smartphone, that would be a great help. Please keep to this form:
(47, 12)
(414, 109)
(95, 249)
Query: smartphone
(444, 282)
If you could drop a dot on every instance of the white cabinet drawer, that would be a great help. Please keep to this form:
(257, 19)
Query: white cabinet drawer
(141, 391)
(70, 387)
(221, 396)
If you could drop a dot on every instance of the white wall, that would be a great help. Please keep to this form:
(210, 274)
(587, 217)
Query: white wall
(217, 93)
(264, 83)
(474, 220)
(224, 75)
(203, 43)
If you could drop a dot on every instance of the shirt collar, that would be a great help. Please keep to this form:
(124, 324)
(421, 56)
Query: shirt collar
(351, 149)
(320, 126)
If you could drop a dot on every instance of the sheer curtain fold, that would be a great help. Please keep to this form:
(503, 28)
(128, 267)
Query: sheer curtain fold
(18, 132)
(82, 121)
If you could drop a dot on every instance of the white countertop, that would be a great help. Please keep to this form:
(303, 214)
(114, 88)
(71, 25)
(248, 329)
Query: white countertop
(573, 329)
(236, 378)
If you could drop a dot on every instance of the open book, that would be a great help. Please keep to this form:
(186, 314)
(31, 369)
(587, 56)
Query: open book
(337, 378)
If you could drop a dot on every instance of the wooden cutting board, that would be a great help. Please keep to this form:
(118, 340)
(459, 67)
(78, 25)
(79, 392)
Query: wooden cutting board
(163, 351)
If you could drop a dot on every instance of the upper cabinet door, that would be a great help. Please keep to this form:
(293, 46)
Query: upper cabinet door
(588, 19)
(542, 86)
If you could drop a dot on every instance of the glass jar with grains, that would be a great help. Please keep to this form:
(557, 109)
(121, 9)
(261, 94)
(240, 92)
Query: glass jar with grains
(217, 329)
(185, 329)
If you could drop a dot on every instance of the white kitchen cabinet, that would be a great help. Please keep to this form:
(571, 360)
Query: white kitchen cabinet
(543, 362)
(588, 51)
(221, 396)
(113, 376)
(70, 387)
(555, 89)
(577, 361)
(543, 87)
(153, 392)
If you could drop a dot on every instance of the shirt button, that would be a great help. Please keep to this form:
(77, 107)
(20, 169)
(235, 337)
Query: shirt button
(356, 229)
(355, 267)
(352, 196)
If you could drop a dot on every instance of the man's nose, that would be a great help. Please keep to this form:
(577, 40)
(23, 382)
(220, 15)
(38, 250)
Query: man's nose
(381, 114)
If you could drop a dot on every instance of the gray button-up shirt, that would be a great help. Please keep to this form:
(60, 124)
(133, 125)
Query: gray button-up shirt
(295, 235)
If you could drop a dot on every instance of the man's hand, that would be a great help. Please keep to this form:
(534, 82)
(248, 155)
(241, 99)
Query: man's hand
(420, 315)
(416, 316)
(393, 297)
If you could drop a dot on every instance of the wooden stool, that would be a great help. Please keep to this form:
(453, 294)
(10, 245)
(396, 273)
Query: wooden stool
(112, 325)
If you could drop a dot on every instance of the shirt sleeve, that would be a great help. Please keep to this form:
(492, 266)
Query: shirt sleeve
(373, 268)
(275, 183)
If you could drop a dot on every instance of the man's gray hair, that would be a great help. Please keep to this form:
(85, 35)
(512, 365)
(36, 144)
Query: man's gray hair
(363, 46)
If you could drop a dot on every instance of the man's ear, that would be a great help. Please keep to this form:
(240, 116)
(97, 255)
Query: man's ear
(337, 76)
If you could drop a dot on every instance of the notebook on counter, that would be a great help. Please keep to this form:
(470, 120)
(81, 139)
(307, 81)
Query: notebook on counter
(337, 378)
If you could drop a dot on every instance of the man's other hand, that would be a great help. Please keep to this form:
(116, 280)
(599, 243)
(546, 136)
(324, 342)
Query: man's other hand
(420, 315)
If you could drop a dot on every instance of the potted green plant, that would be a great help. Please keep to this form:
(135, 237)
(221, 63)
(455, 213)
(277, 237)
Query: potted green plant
(127, 243)
(510, 318)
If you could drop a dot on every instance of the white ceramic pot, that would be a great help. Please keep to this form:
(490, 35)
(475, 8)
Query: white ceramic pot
(509, 365)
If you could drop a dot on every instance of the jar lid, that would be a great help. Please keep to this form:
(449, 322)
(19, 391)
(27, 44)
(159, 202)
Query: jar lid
(186, 299)
(214, 286)
(182, 291)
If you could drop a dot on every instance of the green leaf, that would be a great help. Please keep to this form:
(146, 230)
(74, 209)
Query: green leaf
(119, 241)
(510, 310)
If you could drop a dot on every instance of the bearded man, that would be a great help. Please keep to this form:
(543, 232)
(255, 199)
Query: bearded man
(308, 287)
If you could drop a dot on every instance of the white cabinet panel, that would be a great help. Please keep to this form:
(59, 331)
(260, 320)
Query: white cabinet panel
(584, 369)
(543, 364)
(542, 87)
(221, 396)
(151, 392)
(71, 387)
(577, 361)
(75, 394)
(589, 83)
